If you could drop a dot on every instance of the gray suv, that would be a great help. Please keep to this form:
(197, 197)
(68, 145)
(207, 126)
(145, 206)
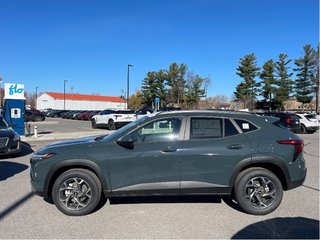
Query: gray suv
(249, 157)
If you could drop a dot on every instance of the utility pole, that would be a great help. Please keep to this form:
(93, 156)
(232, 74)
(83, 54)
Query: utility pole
(64, 95)
(129, 65)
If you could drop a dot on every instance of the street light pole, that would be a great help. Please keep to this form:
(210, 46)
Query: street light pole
(1, 94)
(129, 65)
(36, 97)
(64, 95)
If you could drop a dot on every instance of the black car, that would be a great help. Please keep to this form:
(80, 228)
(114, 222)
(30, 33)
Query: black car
(9, 139)
(34, 116)
(287, 120)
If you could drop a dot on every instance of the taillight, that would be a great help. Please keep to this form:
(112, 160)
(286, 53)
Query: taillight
(116, 116)
(298, 145)
(289, 120)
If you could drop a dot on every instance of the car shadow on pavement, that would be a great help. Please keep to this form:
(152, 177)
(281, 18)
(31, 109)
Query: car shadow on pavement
(26, 149)
(166, 199)
(9, 169)
(281, 228)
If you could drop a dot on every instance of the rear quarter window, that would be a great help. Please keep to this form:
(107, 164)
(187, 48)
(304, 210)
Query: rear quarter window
(245, 125)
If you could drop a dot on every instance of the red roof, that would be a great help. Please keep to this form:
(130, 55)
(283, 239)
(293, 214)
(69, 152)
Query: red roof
(86, 97)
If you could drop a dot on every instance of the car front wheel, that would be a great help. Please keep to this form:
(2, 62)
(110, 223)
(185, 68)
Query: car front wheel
(111, 125)
(258, 191)
(94, 124)
(76, 192)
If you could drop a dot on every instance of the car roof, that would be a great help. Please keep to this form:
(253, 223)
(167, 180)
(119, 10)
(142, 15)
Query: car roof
(206, 112)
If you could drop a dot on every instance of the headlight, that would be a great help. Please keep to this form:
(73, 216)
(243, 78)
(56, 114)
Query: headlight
(16, 137)
(42, 156)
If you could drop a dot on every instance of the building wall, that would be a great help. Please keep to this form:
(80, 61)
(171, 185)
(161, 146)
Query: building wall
(46, 101)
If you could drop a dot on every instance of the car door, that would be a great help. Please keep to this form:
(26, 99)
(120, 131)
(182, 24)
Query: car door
(152, 163)
(214, 148)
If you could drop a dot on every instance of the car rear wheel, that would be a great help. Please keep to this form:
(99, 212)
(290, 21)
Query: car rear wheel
(258, 191)
(76, 192)
(303, 129)
(111, 125)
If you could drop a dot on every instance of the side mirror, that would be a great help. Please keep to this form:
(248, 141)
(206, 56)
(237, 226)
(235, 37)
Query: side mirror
(126, 144)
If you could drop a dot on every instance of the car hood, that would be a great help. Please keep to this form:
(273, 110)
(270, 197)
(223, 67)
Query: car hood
(6, 132)
(78, 141)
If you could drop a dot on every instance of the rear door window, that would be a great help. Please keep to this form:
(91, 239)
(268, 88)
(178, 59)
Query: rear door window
(229, 128)
(205, 128)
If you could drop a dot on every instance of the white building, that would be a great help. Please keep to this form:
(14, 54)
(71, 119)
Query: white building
(69, 101)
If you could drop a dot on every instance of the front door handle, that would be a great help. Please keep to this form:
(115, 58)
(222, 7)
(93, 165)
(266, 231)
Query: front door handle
(169, 149)
(235, 146)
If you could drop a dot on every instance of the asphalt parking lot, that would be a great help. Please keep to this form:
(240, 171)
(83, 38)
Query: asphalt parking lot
(24, 215)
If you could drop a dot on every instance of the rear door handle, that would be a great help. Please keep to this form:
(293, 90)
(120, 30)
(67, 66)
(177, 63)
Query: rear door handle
(235, 146)
(169, 149)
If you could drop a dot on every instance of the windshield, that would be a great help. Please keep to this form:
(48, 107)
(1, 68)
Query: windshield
(126, 127)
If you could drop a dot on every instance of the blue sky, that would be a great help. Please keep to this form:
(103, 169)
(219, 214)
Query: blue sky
(90, 42)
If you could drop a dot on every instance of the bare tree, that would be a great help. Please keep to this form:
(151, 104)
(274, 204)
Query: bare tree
(31, 99)
(218, 101)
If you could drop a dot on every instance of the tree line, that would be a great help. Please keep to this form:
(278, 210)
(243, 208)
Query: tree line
(175, 86)
(278, 82)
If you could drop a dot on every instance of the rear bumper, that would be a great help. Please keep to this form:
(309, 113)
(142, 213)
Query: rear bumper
(297, 183)
(121, 124)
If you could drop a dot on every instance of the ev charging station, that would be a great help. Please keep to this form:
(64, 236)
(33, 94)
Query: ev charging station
(14, 106)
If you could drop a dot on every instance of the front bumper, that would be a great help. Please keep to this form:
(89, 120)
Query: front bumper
(12, 147)
(313, 128)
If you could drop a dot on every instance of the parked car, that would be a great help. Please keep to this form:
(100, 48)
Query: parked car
(308, 124)
(9, 139)
(34, 116)
(56, 113)
(249, 157)
(287, 120)
(142, 112)
(313, 117)
(93, 113)
(113, 118)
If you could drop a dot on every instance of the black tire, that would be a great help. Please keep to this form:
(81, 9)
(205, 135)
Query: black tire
(76, 192)
(94, 124)
(258, 191)
(111, 125)
(303, 129)
(37, 118)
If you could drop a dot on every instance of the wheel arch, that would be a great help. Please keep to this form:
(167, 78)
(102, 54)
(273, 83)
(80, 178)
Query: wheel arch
(271, 163)
(66, 165)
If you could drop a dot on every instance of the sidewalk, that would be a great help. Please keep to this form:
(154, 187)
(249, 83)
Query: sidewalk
(60, 136)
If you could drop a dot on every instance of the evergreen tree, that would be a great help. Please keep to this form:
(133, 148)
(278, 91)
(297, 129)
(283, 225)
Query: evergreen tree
(268, 82)
(149, 88)
(248, 70)
(306, 72)
(161, 77)
(195, 90)
(176, 82)
(284, 82)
